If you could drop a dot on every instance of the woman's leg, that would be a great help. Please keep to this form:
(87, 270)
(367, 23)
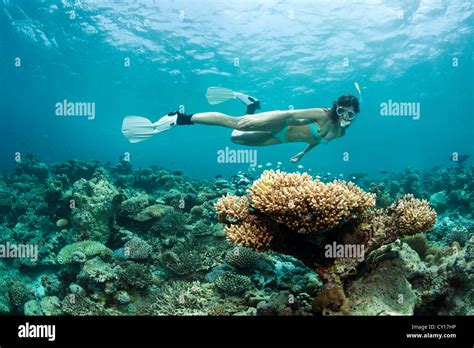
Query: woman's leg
(253, 138)
(273, 120)
(215, 119)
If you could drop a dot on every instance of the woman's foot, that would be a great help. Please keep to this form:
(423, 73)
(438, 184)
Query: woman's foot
(171, 120)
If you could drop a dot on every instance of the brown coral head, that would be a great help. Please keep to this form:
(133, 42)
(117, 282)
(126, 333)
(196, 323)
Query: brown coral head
(250, 234)
(231, 209)
(306, 205)
(411, 215)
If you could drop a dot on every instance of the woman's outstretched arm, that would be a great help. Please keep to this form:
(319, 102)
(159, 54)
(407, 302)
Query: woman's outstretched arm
(300, 155)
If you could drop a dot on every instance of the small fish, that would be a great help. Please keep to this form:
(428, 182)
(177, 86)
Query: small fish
(218, 176)
(384, 172)
(318, 177)
(328, 174)
(341, 175)
(259, 166)
(359, 175)
(353, 178)
(268, 164)
(309, 169)
(279, 163)
(300, 166)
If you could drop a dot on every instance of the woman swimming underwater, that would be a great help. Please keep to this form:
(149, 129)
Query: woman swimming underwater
(312, 126)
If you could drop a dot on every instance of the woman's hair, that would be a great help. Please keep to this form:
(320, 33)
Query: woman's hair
(346, 100)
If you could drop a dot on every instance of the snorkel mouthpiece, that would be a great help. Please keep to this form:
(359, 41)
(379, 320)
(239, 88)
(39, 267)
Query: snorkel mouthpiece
(344, 123)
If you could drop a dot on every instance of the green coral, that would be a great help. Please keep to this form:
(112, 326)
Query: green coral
(98, 271)
(181, 298)
(137, 248)
(190, 258)
(152, 212)
(19, 293)
(232, 283)
(134, 205)
(171, 223)
(135, 275)
(76, 305)
(48, 306)
(87, 247)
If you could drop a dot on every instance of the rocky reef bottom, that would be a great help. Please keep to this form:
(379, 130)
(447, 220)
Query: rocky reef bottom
(87, 238)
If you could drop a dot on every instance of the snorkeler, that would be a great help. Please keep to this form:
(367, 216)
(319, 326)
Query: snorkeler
(312, 126)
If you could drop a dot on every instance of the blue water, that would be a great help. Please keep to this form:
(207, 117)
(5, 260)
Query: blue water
(289, 52)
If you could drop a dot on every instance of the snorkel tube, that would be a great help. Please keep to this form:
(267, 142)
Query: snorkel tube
(358, 91)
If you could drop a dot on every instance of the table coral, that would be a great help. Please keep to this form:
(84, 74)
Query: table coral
(87, 247)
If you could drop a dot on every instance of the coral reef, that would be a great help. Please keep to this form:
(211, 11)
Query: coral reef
(294, 214)
(115, 240)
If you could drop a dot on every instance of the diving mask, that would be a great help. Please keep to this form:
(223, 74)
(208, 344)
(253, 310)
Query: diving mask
(346, 116)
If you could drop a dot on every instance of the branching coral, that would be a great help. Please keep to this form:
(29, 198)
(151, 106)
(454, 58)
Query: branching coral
(81, 306)
(282, 206)
(135, 275)
(306, 205)
(297, 215)
(180, 298)
(405, 217)
(138, 249)
(231, 209)
(250, 234)
(410, 215)
(190, 258)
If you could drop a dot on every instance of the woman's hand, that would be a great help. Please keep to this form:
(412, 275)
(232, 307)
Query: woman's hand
(297, 157)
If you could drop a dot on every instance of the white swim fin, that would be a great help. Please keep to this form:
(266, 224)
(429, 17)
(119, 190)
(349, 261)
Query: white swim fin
(136, 128)
(217, 95)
